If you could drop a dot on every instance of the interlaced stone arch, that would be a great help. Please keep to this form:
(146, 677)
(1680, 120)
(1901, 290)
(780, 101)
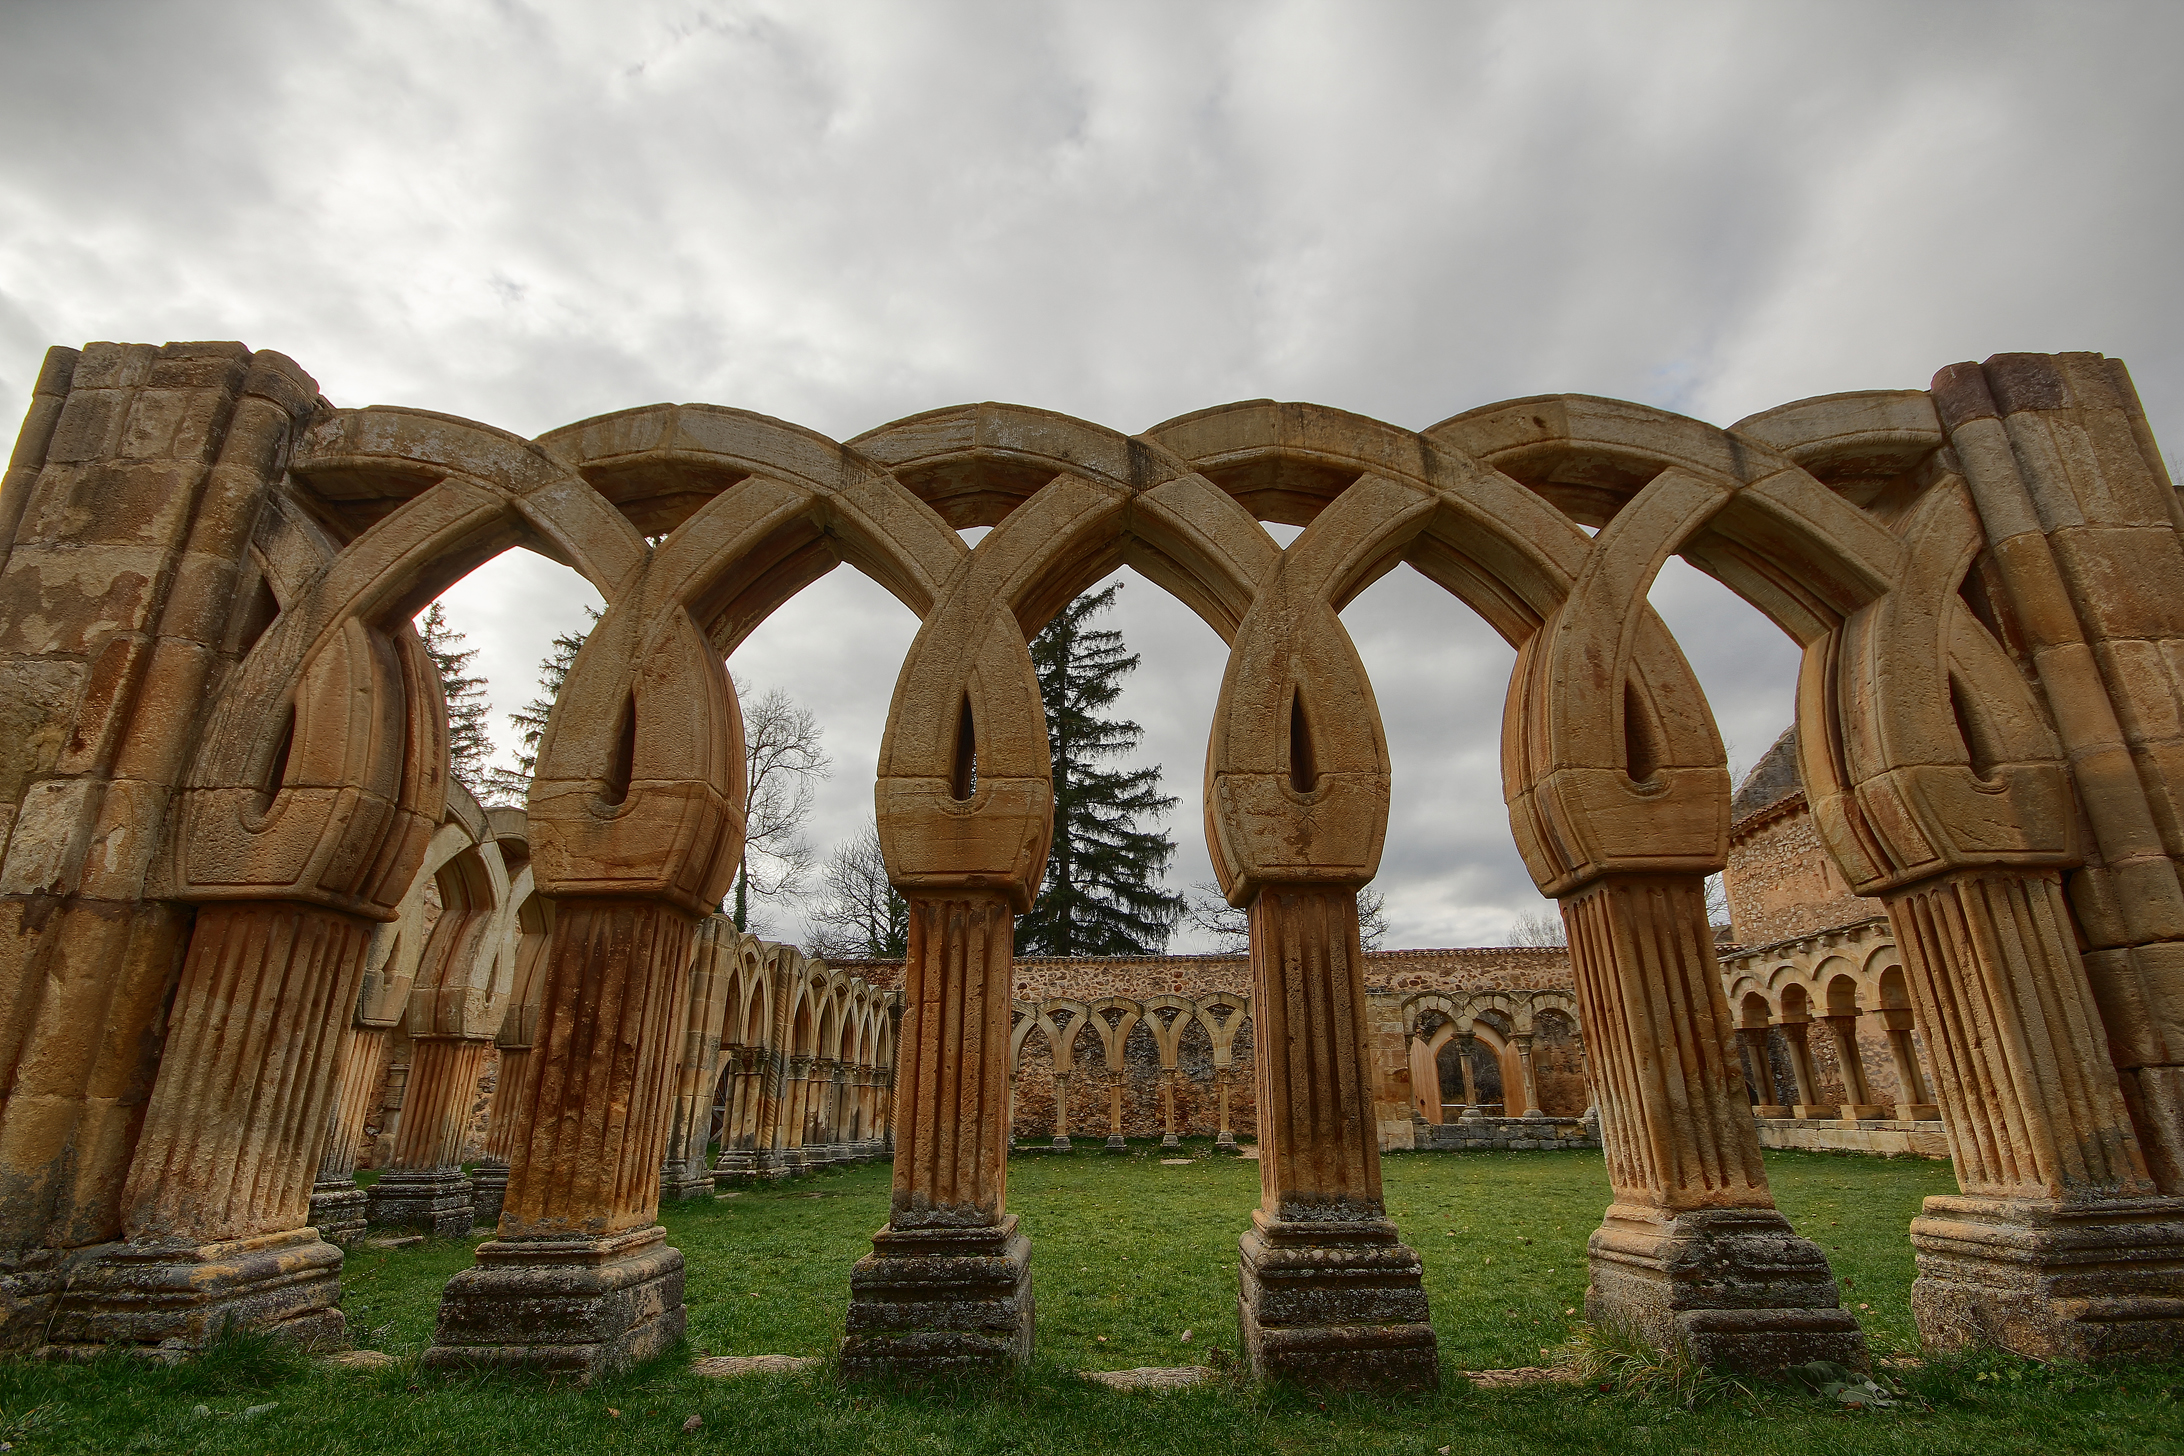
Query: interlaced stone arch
(1936, 775)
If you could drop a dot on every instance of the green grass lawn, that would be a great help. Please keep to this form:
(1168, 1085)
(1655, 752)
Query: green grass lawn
(1133, 1263)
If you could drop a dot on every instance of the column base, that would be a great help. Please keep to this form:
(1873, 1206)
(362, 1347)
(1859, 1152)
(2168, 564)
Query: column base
(1335, 1304)
(337, 1211)
(934, 1301)
(1471, 1113)
(1815, 1110)
(1856, 1111)
(1770, 1109)
(488, 1189)
(1918, 1112)
(1169, 1142)
(1532, 1113)
(1225, 1143)
(681, 1183)
(1736, 1287)
(284, 1284)
(2051, 1280)
(1116, 1143)
(577, 1306)
(435, 1201)
(735, 1165)
(1060, 1143)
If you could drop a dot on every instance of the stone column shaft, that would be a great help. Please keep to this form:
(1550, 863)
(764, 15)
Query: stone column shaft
(503, 1126)
(1797, 1035)
(1061, 1111)
(424, 1186)
(1115, 1140)
(2059, 1246)
(1762, 1065)
(947, 1285)
(1857, 1095)
(581, 1277)
(1226, 1138)
(1465, 1042)
(1913, 1101)
(1168, 1138)
(1692, 1252)
(1329, 1294)
(337, 1204)
(1530, 1079)
(216, 1203)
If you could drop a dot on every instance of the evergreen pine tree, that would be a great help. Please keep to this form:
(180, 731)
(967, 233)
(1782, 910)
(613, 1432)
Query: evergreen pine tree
(1103, 894)
(513, 786)
(469, 745)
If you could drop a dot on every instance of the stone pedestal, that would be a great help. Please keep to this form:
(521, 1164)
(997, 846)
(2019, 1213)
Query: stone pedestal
(1737, 1287)
(928, 1301)
(338, 1210)
(2051, 1280)
(1341, 1304)
(678, 1182)
(434, 1201)
(571, 1306)
(488, 1189)
(284, 1284)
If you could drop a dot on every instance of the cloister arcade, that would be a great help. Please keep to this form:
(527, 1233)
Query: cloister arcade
(1192, 1045)
(1450, 1035)
(237, 765)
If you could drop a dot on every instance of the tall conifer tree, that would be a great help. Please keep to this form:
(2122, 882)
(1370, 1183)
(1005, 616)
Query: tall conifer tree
(1103, 894)
(513, 786)
(469, 745)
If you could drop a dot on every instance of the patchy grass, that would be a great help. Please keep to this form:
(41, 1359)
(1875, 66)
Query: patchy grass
(1136, 1252)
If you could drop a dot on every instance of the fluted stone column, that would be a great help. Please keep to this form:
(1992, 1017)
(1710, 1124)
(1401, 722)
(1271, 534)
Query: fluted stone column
(1761, 1065)
(423, 1186)
(947, 1285)
(1796, 1034)
(1914, 1103)
(1858, 1096)
(1692, 1252)
(581, 1277)
(337, 1203)
(1465, 1042)
(1329, 1294)
(218, 1196)
(1529, 1079)
(1061, 1111)
(2059, 1246)
(504, 1125)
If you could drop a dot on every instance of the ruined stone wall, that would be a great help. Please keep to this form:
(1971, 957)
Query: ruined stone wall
(1391, 978)
(1782, 882)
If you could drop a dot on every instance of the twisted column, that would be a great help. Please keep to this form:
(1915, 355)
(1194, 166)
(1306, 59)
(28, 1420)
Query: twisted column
(947, 1285)
(1692, 1252)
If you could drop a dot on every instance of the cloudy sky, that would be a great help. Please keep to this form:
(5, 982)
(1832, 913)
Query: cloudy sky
(841, 214)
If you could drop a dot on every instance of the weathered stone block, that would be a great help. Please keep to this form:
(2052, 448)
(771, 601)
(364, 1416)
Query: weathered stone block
(576, 1307)
(2052, 1281)
(338, 1211)
(1339, 1304)
(1736, 1287)
(284, 1284)
(435, 1201)
(933, 1301)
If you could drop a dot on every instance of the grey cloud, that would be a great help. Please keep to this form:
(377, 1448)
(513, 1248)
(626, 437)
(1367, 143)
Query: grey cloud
(840, 215)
